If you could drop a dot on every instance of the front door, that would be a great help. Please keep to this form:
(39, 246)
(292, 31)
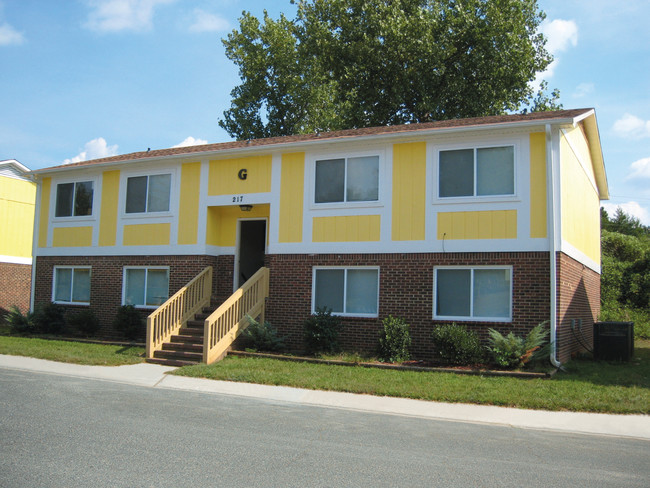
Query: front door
(250, 249)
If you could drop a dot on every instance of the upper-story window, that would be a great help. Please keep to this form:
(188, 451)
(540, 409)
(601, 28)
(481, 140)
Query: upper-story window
(148, 193)
(74, 199)
(477, 172)
(347, 180)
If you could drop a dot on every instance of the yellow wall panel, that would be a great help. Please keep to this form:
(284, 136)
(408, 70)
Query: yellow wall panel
(409, 191)
(490, 224)
(291, 197)
(224, 179)
(17, 202)
(352, 228)
(108, 219)
(188, 211)
(44, 216)
(538, 223)
(72, 237)
(221, 227)
(147, 235)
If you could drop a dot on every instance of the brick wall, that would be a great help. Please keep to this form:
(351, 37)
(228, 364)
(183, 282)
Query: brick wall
(15, 286)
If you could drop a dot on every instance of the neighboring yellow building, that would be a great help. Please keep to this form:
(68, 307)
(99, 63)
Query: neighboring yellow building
(17, 200)
(491, 222)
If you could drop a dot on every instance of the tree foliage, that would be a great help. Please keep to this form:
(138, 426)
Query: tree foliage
(343, 64)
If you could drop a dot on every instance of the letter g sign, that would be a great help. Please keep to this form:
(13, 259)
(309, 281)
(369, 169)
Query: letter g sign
(242, 174)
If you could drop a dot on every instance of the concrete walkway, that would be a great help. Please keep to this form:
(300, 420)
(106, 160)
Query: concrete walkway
(155, 376)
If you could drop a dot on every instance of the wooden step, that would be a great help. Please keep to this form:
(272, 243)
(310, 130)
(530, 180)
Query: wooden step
(180, 355)
(171, 362)
(183, 346)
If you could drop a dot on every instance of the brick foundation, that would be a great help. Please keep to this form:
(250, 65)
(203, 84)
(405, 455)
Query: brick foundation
(15, 286)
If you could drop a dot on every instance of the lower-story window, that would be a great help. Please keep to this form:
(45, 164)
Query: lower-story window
(145, 287)
(473, 293)
(71, 285)
(346, 291)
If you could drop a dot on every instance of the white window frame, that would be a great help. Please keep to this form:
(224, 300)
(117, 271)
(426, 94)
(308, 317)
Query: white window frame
(475, 196)
(72, 269)
(74, 195)
(148, 213)
(146, 276)
(344, 291)
(471, 317)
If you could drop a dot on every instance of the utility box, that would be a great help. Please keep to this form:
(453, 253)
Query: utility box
(614, 341)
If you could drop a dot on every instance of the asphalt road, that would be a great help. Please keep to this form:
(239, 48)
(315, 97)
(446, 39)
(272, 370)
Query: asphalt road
(59, 431)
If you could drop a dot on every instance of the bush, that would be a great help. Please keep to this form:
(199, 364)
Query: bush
(49, 319)
(262, 337)
(394, 340)
(454, 344)
(128, 322)
(512, 351)
(321, 332)
(84, 322)
(19, 323)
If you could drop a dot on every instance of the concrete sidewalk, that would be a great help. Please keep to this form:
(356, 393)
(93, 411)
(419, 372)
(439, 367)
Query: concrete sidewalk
(154, 376)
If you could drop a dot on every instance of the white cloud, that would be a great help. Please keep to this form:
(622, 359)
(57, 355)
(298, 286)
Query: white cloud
(95, 149)
(632, 127)
(631, 208)
(119, 15)
(560, 35)
(207, 22)
(639, 169)
(191, 141)
(9, 35)
(583, 89)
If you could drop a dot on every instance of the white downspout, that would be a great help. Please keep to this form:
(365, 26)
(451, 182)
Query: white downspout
(550, 211)
(37, 221)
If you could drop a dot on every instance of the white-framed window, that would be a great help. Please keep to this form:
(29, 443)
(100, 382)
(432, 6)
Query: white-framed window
(473, 293)
(476, 172)
(74, 199)
(71, 285)
(347, 179)
(148, 193)
(145, 286)
(346, 291)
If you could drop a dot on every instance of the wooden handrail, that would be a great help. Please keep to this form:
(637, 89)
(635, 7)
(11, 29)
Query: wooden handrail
(167, 319)
(223, 326)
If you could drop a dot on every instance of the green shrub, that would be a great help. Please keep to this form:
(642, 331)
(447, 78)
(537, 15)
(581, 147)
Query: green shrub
(512, 351)
(19, 323)
(394, 340)
(321, 332)
(612, 311)
(84, 322)
(454, 344)
(49, 318)
(262, 337)
(128, 322)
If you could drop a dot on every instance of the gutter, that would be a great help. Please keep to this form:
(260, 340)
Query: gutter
(552, 230)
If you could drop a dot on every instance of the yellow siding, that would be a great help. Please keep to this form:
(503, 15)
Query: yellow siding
(221, 227)
(491, 224)
(188, 212)
(292, 187)
(44, 216)
(538, 224)
(72, 237)
(146, 235)
(17, 201)
(108, 219)
(580, 201)
(409, 191)
(224, 179)
(353, 228)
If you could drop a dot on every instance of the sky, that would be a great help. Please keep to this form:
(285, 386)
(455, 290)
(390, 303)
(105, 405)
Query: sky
(84, 79)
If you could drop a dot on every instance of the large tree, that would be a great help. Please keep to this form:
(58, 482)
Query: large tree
(344, 64)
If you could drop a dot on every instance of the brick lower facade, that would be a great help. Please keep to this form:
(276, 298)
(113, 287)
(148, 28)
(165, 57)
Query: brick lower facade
(15, 286)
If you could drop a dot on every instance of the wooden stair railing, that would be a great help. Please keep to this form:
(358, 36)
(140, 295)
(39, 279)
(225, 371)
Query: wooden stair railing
(223, 326)
(167, 319)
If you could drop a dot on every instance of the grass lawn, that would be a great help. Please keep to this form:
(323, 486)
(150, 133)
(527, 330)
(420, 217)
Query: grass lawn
(586, 385)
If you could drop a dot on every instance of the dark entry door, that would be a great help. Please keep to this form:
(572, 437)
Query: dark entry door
(252, 246)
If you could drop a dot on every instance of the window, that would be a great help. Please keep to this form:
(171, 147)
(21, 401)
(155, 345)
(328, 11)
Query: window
(473, 293)
(347, 291)
(74, 199)
(347, 180)
(477, 172)
(145, 287)
(148, 193)
(71, 285)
